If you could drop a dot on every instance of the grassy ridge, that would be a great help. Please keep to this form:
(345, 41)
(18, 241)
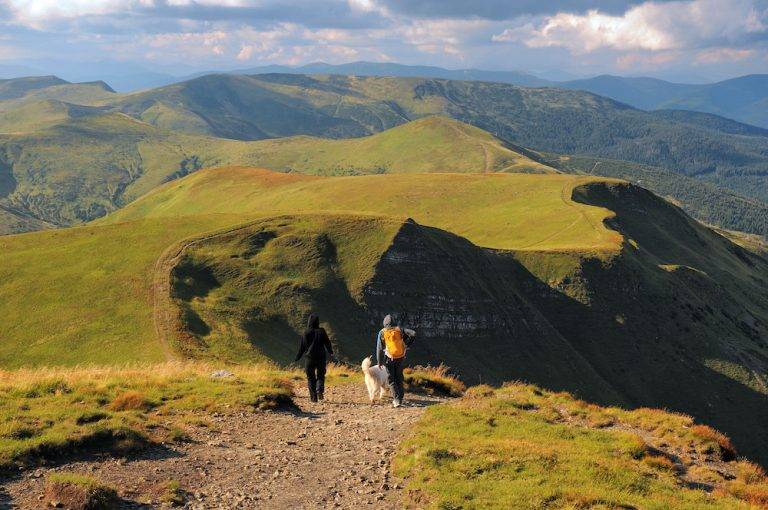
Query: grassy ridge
(432, 144)
(85, 294)
(704, 201)
(522, 447)
(243, 295)
(495, 210)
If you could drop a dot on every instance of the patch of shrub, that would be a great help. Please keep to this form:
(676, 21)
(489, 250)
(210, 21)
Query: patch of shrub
(130, 401)
(660, 462)
(433, 381)
(479, 391)
(17, 430)
(173, 493)
(178, 435)
(78, 492)
(46, 387)
(727, 450)
(91, 417)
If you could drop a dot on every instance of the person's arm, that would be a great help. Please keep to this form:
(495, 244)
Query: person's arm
(410, 336)
(302, 348)
(379, 349)
(327, 342)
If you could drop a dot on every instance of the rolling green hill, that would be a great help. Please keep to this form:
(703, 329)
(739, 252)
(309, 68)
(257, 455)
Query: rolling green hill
(84, 163)
(516, 211)
(710, 148)
(576, 283)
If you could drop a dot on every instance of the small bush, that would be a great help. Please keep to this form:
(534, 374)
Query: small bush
(479, 391)
(79, 492)
(91, 417)
(750, 473)
(660, 462)
(727, 450)
(433, 381)
(635, 447)
(178, 435)
(17, 430)
(130, 401)
(173, 493)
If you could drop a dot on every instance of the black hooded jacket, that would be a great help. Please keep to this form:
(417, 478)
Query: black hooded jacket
(315, 341)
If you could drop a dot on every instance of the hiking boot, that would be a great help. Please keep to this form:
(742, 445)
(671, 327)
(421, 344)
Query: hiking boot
(320, 396)
(395, 403)
(313, 398)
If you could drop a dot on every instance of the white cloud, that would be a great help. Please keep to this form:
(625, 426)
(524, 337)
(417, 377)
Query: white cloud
(649, 26)
(718, 55)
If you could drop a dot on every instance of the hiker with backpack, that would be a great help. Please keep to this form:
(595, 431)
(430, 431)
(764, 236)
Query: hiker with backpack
(391, 344)
(315, 343)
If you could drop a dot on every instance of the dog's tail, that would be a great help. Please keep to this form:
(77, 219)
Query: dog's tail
(366, 366)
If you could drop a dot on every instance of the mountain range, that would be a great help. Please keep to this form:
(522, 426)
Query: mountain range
(73, 152)
(744, 98)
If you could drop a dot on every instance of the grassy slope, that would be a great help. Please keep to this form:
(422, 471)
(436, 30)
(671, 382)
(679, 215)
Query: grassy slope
(495, 210)
(426, 145)
(521, 447)
(83, 163)
(243, 295)
(19, 87)
(82, 295)
(64, 305)
(51, 412)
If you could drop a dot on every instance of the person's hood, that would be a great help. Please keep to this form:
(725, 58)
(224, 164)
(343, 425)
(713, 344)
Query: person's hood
(313, 322)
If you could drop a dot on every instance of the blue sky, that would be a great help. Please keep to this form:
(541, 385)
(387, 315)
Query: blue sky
(687, 40)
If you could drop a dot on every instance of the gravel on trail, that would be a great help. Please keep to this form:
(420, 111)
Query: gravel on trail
(333, 454)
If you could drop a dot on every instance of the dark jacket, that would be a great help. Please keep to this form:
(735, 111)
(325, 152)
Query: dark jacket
(315, 341)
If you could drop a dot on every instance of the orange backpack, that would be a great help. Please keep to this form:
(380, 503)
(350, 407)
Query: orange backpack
(393, 341)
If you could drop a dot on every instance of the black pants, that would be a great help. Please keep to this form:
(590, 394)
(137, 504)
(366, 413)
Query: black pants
(315, 370)
(395, 369)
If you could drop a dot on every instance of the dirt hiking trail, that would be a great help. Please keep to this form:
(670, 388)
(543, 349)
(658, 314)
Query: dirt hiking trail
(334, 454)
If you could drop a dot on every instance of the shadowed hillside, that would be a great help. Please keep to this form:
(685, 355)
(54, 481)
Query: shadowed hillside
(676, 319)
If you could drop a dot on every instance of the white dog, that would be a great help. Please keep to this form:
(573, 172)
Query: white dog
(375, 379)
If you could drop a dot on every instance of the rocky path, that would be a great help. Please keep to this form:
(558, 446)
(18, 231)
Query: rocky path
(334, 454)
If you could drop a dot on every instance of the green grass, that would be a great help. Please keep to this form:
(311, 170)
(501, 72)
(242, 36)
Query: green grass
(432, 144)
(245, 295)
(522, 447)
(64, 305)
(48, 412)
(84, 294)
(506, 211)
(95, 162)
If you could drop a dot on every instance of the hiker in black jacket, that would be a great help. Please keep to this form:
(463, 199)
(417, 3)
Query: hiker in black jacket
(314, 344)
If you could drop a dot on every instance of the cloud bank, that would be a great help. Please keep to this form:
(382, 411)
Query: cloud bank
(574, 36)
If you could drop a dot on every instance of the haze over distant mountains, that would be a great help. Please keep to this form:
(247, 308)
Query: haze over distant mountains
(743, 98)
